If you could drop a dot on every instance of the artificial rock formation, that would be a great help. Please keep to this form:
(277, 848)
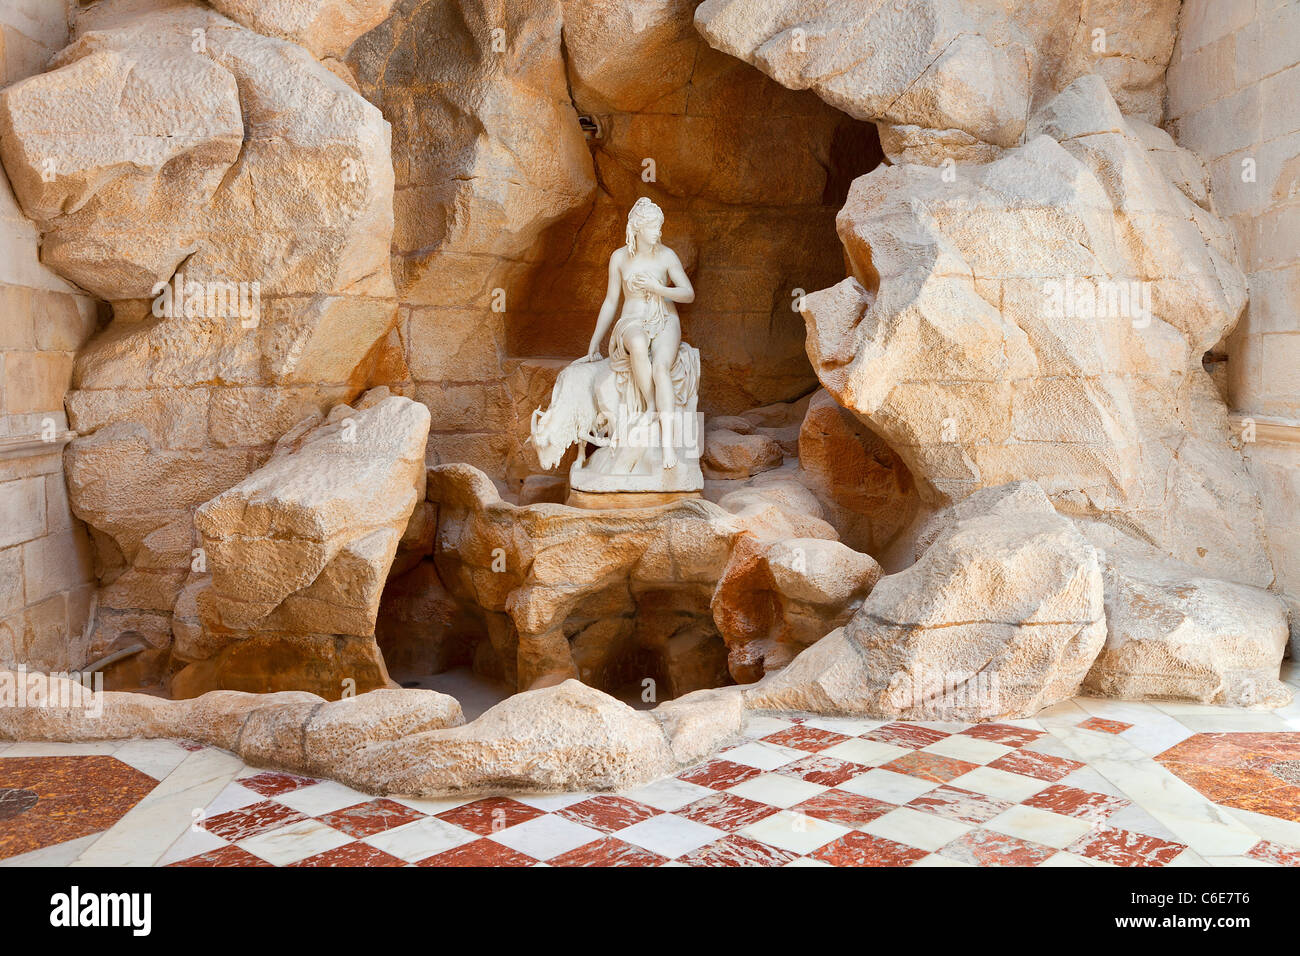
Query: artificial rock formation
(1069, 352)
(1000, 617)
(298, 554)
(567, 737)
(232, 198)
(617, 596)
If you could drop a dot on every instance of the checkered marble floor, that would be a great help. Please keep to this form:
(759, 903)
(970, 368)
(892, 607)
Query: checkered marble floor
(1086, 783)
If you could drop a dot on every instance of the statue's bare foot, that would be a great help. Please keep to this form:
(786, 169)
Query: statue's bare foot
(670, 458)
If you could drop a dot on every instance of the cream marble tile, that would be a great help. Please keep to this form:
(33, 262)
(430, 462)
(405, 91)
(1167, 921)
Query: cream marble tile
(50, 748)
(848, 726)
(433, 805)
(888, 786)
(1188, 857)
(763, 755)
(191, 843)
(1273, 829)
(1237, 861)
(1000, 784)
(760, 725)
(972, 749)
(1236, 723)
(547, 836)
(777, 790)
(807, 861)
(869, 753)
(550, 802)
(157, 758)
(797, 832)
(667, 794)
(1073, 859)
(934, 859)
(421, 839)
(1039, 826)
(295, 842)
(922, 830)
(324, 797)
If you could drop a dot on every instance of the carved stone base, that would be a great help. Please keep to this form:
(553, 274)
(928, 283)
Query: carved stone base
(601, 500)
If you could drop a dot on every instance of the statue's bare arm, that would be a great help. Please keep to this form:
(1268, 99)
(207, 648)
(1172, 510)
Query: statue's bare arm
(681, 289)
(607, 308)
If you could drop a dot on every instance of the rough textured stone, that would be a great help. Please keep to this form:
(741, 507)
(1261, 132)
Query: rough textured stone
(299, 553)
(325, 27)
(1002, 615)
(1174, 634)
(950, 349)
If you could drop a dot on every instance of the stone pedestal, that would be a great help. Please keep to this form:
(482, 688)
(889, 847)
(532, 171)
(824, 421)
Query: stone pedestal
(603, 500)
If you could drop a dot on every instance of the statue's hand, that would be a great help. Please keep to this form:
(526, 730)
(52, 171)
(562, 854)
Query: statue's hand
(593, 355)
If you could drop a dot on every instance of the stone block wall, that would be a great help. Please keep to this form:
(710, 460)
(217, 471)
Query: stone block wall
(1234, 98)
(46, 574)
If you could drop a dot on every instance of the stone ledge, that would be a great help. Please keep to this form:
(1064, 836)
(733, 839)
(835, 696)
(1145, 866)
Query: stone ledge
(33, 446)
(1268, 429)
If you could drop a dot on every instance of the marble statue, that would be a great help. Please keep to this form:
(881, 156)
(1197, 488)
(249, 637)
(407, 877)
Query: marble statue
(638, 407)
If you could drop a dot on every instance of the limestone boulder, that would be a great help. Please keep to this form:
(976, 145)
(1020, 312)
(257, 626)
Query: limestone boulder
(1002, 616)
(325, 27)
(1068, 352)
(863, 485)
(299, 553)
(774, 598)
(618, 596)
(963, 66)
(729, 454)
(1174, 634)
(231, 197)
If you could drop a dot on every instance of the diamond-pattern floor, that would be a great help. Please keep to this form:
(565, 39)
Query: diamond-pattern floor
(1086, 783)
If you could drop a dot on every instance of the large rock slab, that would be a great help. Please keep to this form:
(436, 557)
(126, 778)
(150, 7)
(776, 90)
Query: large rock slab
(957, 66)
(1069, 351)
(1174, 634)
(325, 27)
(1002, 616)
(619, 596)
(299, 553)
(232, 197)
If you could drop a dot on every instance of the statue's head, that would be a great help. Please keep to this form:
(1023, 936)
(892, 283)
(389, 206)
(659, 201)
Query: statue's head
(644, 224)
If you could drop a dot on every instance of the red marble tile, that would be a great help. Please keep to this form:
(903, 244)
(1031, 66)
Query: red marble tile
(987, 848)
(226, 856)
(954, 803)
(479, 853)
(192, 746)
(826, 771)
(1282, 802)
(844, 808)
(1072, 802)
(1125, 847)
(1104, 726)
(720, 774)
(608, 813)
(1030, 763)
(272, 783)
(806, 738)
(49, 800)
(490, 815)
(930, 766)
(1221, 783)
(374, 816)
(610, 851)
(864, 849)
(737, 850)
(1008, 735)
(726, 811)
(1275, 853)
(240, 824)
(912, 736)
(352, 854)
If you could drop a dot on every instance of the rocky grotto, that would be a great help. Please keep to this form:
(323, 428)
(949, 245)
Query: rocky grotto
(642, 368)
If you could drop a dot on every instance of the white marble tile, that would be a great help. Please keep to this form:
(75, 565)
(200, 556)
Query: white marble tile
(1236, 723)
(1013, 787)
(191, 843)
(869, 753)
(760, 725)
(421, 839)
(848, 726)
(807, 861)
(232, 797)
(547, 836)
(324, 797)
(1273, 829)
(1039, 826)
(157, 758)
(913, 828)
(763, 755)
(51, 748)
(934, 859)
(1071, 859)
(777, 790)
(888, 786)
(668, 793)
(972, 749)
(550, 802)
(1157, 735)
(295, 842)
(797, 832)
(669, 836)
(433, 805)
(1236, 861)
(1085, 778)
(1188, 857)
